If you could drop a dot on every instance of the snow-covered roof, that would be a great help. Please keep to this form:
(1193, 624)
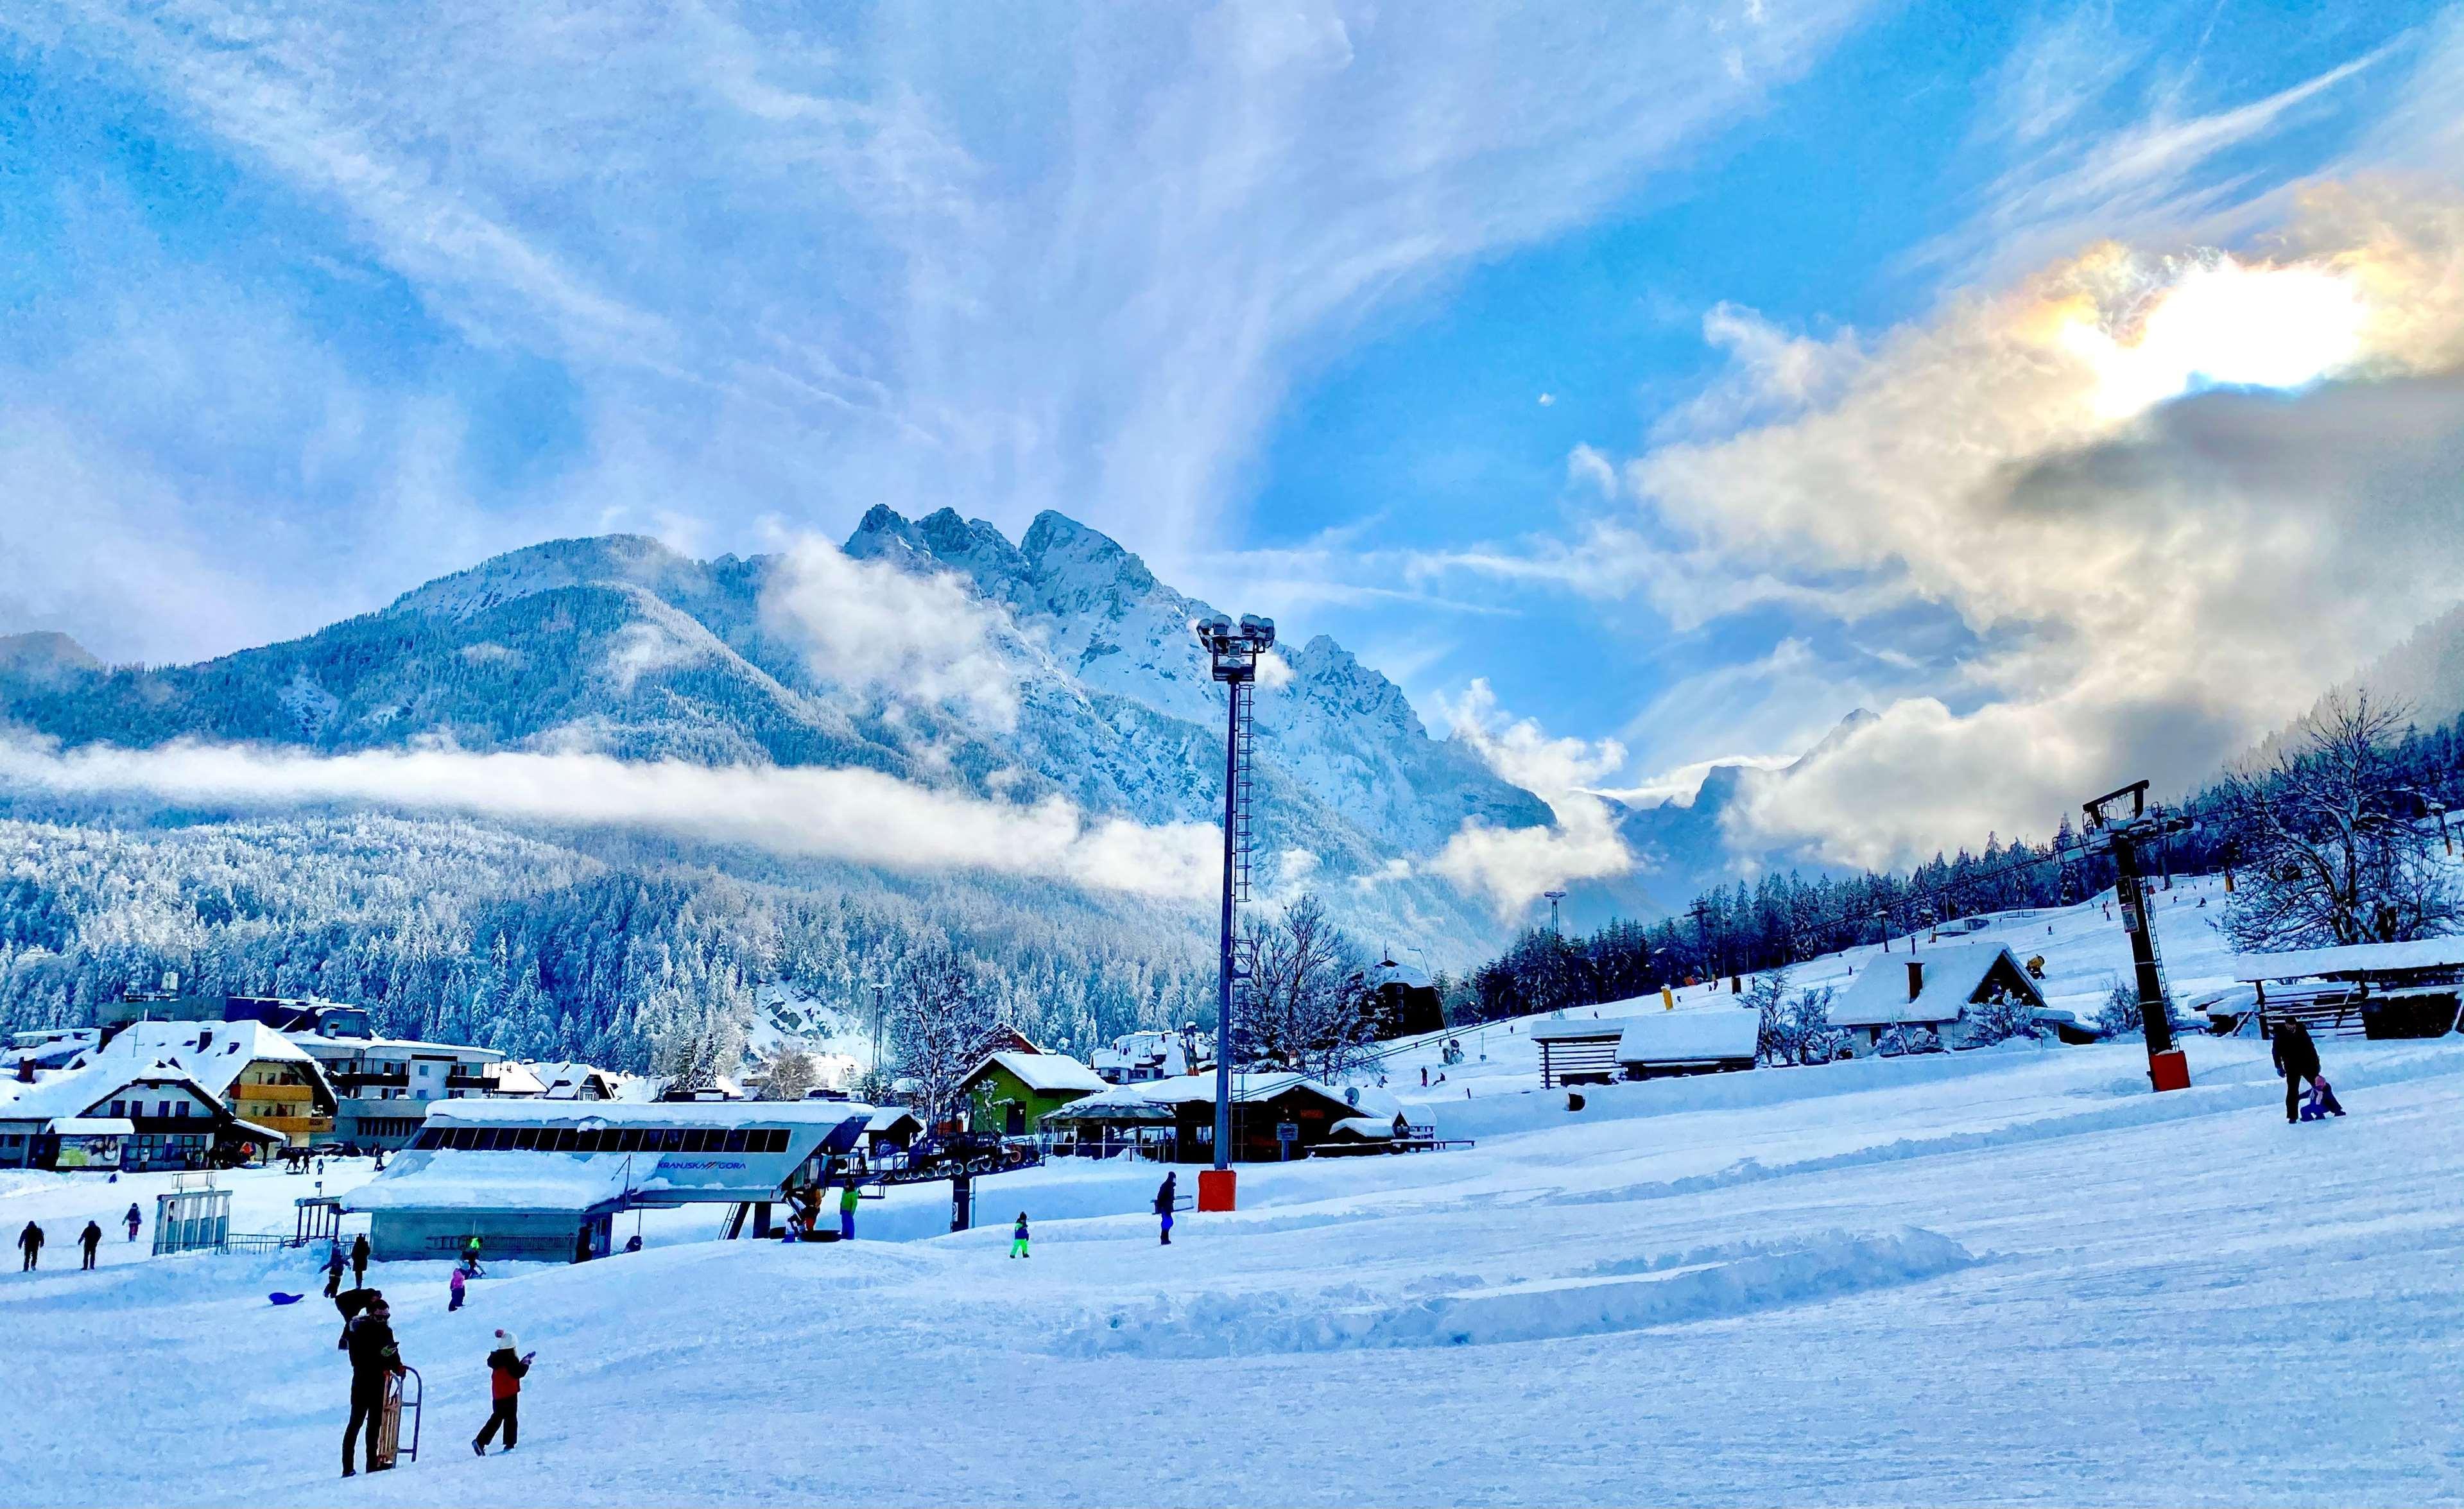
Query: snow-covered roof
(1587, 1025)
(1185, 1089)
(1044, 1073)
(2421, 953)
(887, 1118)
(1954, 974)
(514, 1078)
(1364, 1126)
(465, 1180)
(482, 1111)
(72, 1092)
(1698, 1034)
(94, 1127)
(215, 1052)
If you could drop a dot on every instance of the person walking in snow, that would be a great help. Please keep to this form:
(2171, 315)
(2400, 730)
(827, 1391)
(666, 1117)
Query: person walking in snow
(335, 1263)
(90, 1239)
(453, 1282)
(360, 1261)
(375, 1359)
(505, 1369)
(848, 1196)
(30, 1241)
(1018, 1238)
(2297, 1058)
(135, 1219)
(470, 1258)
(1164, 1200)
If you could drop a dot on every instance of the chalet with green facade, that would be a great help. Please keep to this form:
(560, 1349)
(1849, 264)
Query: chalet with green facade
(1009, 1092)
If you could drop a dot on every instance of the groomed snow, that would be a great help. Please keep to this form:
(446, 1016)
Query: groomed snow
(1992, 1277)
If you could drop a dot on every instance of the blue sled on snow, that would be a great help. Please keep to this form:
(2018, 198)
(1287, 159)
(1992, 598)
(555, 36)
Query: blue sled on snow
(279, 1298)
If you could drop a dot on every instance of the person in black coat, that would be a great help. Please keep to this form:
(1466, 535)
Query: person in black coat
(2297, 1058)
(30, 1241)
(375, 1358)
(1163, 1203)
(359, 1260)
(90, 1239)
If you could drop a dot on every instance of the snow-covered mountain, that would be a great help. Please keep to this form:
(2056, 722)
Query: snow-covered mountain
(622, 645)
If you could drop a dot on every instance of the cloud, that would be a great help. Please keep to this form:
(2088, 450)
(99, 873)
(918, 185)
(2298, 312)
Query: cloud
(914, 636)
(2163, 533)
(1014, 257)
(1512, 866)
(858, 815)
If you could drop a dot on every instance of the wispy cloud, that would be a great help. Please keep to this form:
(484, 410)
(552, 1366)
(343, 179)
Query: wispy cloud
(1010, 257)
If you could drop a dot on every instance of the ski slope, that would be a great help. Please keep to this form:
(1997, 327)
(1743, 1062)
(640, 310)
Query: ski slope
(2011, 1275)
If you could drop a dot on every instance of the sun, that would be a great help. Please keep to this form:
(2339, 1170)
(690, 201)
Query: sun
(2226, 325)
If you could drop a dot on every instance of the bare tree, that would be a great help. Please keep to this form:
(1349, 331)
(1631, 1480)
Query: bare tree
(2331, 847)
(788, 1076)
(940, 1020)
(1306, 1004)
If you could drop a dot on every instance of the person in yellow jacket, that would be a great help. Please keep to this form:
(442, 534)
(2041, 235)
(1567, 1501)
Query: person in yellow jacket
(847, 1197)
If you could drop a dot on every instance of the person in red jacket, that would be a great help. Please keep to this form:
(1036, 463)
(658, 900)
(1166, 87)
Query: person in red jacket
(505, 1370)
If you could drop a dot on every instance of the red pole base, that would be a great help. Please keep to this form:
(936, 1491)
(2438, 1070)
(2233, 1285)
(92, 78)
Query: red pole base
(2168, 1070)
(1215, 1188)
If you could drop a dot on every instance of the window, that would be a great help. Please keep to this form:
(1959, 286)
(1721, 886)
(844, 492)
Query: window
(666, 1139)
(734, 1141)
(774, 1140)
(698, 1140)
(565, 1138)
(587, 1139)
(428, 1137)
(629, 1139)
(120, 1108)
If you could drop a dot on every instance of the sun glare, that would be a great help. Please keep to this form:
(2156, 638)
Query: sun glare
(2226, 325)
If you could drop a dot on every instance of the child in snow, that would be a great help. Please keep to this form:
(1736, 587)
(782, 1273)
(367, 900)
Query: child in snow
(2322, 1103)
(455, 1284)
(505, 1370)
(1018, 1238)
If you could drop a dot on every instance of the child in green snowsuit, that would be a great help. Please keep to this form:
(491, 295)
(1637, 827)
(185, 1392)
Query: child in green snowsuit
(1018, 1238)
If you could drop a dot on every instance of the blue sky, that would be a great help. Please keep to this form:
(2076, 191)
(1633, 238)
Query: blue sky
(1544, 347)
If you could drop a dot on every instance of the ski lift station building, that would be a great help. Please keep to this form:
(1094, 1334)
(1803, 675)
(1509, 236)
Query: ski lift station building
(544, 1180)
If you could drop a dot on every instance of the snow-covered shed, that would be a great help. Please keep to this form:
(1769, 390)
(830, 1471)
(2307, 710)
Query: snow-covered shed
(1581, 1049)
(1702, 1039)
(1263, 1105)
(2387, 990)
(1935, 988)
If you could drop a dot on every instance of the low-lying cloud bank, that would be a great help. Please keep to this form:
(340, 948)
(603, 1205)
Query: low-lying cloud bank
(860, 816)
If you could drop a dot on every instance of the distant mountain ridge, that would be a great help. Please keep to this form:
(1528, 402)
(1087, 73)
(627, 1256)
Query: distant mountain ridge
(622, 645)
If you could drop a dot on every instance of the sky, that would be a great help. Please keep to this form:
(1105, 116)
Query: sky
(2080, 388)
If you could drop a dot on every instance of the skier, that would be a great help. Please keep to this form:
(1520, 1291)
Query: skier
(333, 1264)
(1018, 1238)
(2297, 1058)
(90, 1239)
(375, 1359)
(454, 1284)
(134, 1219)
(359, 1260)
(30, 1241)
(847, 1197)
(505, 1370)
(470, 1258)
(1163, 1203)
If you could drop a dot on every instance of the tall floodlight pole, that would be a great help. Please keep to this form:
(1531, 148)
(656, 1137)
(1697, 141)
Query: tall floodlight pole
(2121, 836)
(1554, 897)
(1234, 650)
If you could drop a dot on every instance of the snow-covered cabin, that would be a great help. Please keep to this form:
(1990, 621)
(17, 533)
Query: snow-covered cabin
(263, 1076)
(1136, 1057)
(1009, 1093)
(1580, 1047)
(565, 1080)
(1936, 990)
(1700, 1039)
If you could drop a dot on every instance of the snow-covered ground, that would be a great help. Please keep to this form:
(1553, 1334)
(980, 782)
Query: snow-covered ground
(2008, 1274)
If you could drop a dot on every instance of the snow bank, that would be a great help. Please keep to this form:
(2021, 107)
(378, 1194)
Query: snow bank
(1703, 1286)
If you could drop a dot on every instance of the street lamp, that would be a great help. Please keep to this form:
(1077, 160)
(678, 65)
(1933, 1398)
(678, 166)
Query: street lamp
(1234, 651)
(1554, 897)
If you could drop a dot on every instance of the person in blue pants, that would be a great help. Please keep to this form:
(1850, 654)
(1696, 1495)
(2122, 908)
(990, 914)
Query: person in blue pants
(847, 1197)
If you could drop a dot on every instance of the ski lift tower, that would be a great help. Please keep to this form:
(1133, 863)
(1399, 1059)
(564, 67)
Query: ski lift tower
(2121, 836)
(1235, 650)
